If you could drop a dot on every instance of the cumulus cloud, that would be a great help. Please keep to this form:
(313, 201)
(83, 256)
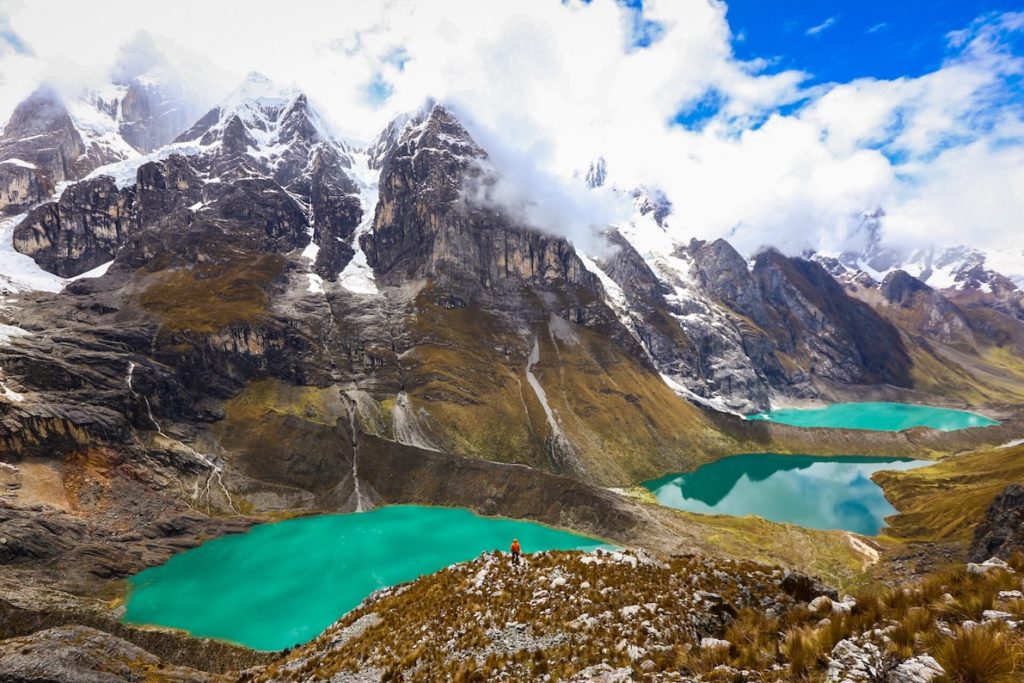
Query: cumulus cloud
(741, 149)
(517, 181)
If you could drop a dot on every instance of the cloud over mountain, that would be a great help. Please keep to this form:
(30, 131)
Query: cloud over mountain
(742, 148)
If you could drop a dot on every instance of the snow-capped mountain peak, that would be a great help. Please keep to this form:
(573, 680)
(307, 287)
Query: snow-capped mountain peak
(958, 267)
(264, 120)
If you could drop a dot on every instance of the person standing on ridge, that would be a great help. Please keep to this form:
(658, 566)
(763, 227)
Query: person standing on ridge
(516, 551)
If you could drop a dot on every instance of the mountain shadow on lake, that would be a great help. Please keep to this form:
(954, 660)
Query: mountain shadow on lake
(816, 492)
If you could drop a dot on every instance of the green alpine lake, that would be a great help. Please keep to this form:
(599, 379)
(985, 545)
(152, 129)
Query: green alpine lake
(281, 584)
(882, 417)
(812, 491)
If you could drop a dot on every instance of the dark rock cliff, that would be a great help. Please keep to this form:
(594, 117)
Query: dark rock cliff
(80, 231)
(1001, 532)
(425, 229)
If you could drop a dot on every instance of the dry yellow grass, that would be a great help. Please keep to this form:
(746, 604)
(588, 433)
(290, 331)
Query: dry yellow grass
(208, 297)
(945, 501)
(468, 370)
(448, 626)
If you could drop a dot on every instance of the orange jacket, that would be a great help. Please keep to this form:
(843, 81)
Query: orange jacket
(516, 550)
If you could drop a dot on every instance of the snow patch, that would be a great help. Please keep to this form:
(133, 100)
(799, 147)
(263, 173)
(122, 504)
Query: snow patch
(100, 129)
(18, 162)
(715, 403)
(11, 395)
(125, 173)
(559, 448)
(539, 390)
(9, 332)
(311, 251)
(18, 272)
(98, 271)
(357, 276)
(614, 296)
(316, 283)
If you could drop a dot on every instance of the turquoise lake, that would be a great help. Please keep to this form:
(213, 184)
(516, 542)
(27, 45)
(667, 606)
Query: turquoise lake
(281, 584)
(882, 417)
(812, 491)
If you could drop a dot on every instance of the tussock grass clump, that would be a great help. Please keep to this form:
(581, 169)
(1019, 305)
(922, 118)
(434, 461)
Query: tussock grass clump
(982, 654)
(754, 636)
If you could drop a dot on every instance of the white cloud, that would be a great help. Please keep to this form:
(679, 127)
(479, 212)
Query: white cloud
(559, 83)
(823, 26)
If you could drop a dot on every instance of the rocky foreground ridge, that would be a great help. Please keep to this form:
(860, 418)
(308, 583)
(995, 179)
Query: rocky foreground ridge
(613, 616)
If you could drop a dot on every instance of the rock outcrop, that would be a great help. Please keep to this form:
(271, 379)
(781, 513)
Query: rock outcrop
(1001, 532)
(40, 148)
(80, 231)
(924, 310)
(79, 654)
(424, 228)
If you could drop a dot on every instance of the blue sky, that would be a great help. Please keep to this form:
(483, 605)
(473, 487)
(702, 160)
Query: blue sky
(841, 40)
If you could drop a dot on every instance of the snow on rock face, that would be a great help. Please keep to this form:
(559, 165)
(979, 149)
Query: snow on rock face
(18, 272)
(265, 121)
(8, 332)
(260, 134)
(958, 267)
(51, 140)
(357, 276)
(18, 162)
(704, 360)
(99, 126)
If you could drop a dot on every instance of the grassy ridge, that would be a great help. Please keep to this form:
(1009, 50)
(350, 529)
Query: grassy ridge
(945, 501)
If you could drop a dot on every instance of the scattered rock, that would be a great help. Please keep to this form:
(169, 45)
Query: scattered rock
(919, 669)
(714, 644)
(805, 588)
(820, 603)
(991, 564)
(853, 663)
(995, 615)
(602, 673)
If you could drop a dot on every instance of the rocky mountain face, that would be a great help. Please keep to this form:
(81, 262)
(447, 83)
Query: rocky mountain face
(424, 230)
(50, 140)
(737, 334)
(217, 329)
(961, 273)
(81, 230)
(263, 267)
(151, 114)
(40, 148)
